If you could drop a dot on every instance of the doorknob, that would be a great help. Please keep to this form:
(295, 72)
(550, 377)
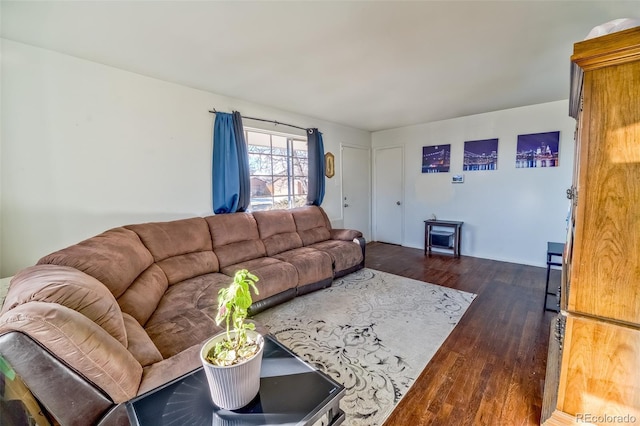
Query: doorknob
(398, 202)
(346, 205)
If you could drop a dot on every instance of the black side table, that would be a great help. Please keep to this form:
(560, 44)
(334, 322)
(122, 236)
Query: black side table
(446, 239)
(553, 250)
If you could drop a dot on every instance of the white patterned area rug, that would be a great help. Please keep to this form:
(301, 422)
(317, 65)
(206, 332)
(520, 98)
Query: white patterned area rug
(371, 331)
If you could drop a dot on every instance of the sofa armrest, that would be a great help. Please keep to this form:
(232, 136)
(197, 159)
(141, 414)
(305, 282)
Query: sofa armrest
(79, 343)
(362, 243)
(160, 373)
(350, 235)
(344, 234)
(54, 384)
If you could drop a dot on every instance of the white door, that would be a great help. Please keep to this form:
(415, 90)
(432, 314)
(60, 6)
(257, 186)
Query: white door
(388, 194)
(356, 188)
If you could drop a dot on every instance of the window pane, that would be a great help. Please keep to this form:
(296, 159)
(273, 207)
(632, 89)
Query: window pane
(280, 165)
(279, 142)
(300, 149)
(255, 138)
(280, 203)
(300, 167)
(259, 149)
(279, 145)
(299, 201)
(261, 191)
(258, 204)
(281, 185)
(300, 186)
(261, 186)
(259, 164)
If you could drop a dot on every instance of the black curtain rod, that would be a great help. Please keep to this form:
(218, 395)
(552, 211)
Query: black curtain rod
(213, 111)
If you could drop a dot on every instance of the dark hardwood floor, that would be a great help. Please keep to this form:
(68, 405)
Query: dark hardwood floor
(491, 369)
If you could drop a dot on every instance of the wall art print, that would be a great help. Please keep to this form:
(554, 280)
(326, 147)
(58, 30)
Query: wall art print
(436, 158)
(537, 150)
(480, 155)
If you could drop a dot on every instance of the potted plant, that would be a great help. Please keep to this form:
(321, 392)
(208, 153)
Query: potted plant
(232, 358)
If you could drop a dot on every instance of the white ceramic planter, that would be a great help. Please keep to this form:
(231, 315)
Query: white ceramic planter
(235, 386)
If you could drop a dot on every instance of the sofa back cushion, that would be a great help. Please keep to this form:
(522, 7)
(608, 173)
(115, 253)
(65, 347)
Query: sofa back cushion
(119, 260)
(143, 296)
(277, 230)
(311, 224)
(71, 288)
(235, 238)
(181, 248)
(115, 258)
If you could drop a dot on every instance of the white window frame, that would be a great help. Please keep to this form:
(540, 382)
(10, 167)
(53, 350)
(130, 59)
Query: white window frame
(290, 158)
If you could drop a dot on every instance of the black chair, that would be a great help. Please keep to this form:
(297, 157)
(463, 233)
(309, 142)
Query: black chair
(553, 250)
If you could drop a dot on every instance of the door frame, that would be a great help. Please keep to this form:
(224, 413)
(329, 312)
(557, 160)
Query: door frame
(369, 186)
(374, 195)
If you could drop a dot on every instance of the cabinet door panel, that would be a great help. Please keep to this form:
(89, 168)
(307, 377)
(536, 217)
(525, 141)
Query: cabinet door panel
(606, 263)
(600, 367)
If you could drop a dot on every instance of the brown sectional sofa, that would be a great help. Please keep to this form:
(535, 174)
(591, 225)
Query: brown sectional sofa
(105, 320)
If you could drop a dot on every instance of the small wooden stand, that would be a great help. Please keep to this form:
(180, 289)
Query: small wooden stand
(451, 238)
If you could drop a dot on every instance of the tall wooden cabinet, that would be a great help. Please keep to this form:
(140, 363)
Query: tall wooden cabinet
(593, 369)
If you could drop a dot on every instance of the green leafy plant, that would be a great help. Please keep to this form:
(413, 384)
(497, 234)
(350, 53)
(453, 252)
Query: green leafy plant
(233, 305)
(6, 369)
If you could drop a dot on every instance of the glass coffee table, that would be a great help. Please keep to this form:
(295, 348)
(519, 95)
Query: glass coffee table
(292, 392)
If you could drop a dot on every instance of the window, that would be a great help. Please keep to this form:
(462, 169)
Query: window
(278, 170)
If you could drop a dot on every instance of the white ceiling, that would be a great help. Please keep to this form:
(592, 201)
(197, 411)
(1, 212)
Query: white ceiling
(369, 65)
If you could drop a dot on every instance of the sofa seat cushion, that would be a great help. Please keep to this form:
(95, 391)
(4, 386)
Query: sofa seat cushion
(186, 314)
(274, 276)
(182, 330)
(199, 293)
(313, 265)
(345, 254)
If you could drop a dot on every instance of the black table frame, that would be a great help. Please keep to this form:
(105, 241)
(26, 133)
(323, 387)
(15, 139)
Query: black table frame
(456, 233)
(553, 250)
(291, 392)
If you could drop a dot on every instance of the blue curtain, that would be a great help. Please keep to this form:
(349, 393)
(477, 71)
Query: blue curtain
(230, 160)
(316, 167)
(243, 164)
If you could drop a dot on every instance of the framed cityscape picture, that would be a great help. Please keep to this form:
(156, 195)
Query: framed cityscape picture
(480, 155)
(436, 158)
(537, 150)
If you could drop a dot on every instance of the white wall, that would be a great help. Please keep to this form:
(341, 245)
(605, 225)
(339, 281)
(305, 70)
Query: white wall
(509, 214)
(86, 147)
